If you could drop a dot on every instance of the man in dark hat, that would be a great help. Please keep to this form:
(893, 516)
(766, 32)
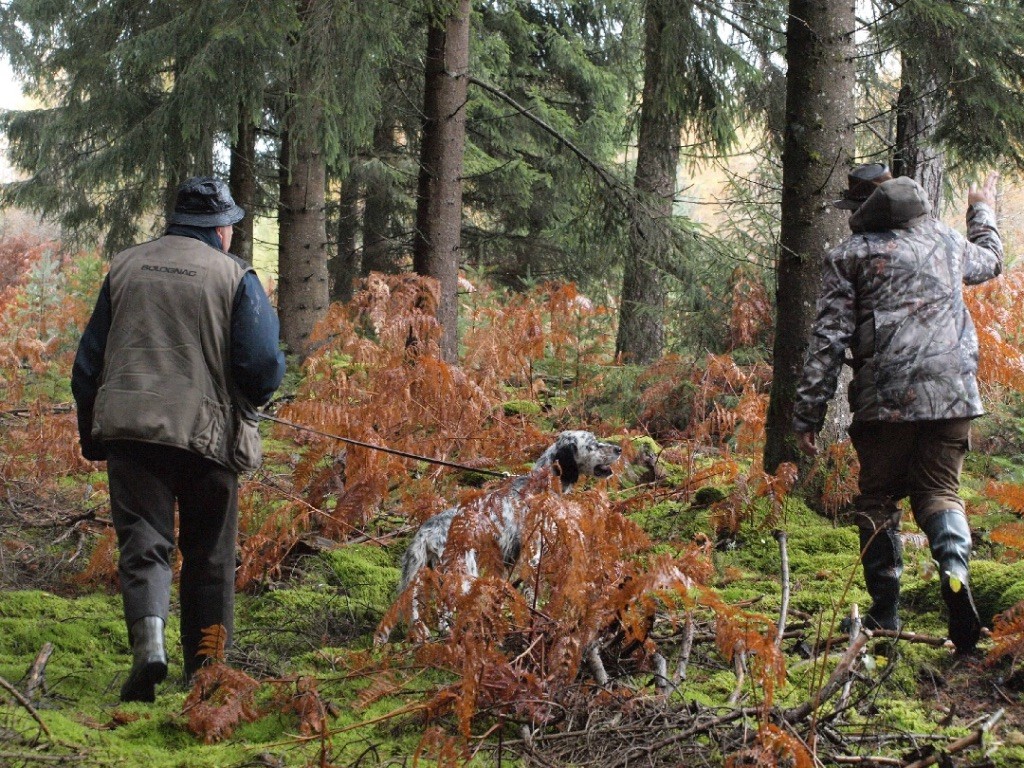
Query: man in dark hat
(892, 293)
(181, 348)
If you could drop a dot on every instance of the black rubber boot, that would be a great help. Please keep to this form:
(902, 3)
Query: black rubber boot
(949, 537)
(149, 665)
(882, 558)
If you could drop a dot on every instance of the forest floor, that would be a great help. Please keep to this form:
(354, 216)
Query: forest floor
(63, 654)
(651, 632)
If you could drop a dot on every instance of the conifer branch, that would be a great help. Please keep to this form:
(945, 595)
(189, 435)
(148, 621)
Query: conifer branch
(605, 175)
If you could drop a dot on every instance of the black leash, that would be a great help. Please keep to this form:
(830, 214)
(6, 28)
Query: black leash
(371, 446)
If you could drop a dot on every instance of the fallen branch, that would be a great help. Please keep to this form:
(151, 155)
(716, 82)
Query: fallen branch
(864, 760)
(26, 704)
(854, 632)
(29, 757)
(37, 673)
(687, 648)
(839, 675)
(977, 737)
(739, 665)
(632, 757)
(780, 536)
(898, 634)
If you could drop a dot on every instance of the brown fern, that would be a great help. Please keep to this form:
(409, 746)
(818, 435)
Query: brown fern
(221, 699)
(1011, 536)
(213, 644)
(101, 569)
(1007, 636)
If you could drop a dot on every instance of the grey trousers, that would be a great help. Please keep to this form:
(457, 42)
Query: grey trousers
(145, 482)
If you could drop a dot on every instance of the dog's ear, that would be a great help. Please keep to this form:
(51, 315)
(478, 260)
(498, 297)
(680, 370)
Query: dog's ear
(568, 467)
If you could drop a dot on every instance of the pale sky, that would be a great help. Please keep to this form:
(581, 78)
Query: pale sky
(10, 98)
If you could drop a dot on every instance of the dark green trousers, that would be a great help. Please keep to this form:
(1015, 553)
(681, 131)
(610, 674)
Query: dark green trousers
(921, 460)
(146, 481)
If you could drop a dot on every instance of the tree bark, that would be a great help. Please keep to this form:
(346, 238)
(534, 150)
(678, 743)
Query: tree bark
(437, 241)
(917, 114)
(817, 147)
(377, 211)
(344, 266)
(302, 241)
(641, 334)
(242, 182)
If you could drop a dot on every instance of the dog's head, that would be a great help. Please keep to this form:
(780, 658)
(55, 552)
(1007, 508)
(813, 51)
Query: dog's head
(578, 453)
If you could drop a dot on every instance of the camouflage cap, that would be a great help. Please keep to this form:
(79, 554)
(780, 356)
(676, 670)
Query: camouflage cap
(860, 183)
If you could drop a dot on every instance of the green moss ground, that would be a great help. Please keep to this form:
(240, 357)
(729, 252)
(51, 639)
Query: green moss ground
(338, 604)
(329, 611)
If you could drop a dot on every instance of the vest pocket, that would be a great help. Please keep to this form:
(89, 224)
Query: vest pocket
(246, 448)
(209, 429)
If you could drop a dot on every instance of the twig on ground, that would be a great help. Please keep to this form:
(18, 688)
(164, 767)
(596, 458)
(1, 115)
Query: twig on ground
(839, 674)
(867, 760)
(977, 737)
(34, 757)
(26, 704)
(37, 673)
(739, 664)
(661, 682)
(632, 756)
(897, 634)
(686, 649)
(780, 536)
(854, 632)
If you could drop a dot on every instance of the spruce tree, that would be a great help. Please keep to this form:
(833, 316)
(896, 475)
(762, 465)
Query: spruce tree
(818, 145)
(437, 243)
(688, 73)
(133, 96)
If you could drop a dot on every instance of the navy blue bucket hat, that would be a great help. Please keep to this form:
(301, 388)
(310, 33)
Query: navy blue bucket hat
(203, 201)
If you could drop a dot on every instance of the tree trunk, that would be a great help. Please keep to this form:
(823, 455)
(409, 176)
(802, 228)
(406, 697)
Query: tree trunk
(377, 211)
(437, 240)
(815, 159)
(344, 267)
(242, 182)
(302, 241)
(641, 333)
(917, 113)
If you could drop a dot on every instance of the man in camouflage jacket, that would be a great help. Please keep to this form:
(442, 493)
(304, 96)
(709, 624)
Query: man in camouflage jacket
(892, 293)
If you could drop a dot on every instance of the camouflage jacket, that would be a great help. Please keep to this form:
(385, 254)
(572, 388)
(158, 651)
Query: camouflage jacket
(892, 293)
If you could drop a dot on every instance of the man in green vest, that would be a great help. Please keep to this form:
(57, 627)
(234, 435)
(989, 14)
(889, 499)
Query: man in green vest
(180, 350)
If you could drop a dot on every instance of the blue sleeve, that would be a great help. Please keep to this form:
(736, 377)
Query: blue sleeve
(257, 362)
(88, 369)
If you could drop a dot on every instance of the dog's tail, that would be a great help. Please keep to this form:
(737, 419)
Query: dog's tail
(413, 560)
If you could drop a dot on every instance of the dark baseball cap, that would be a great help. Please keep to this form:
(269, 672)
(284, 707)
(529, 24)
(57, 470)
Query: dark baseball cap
(203, 201)
(860, 183)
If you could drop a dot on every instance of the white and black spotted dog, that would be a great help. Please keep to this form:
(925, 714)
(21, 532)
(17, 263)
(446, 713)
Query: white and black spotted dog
(576, 453)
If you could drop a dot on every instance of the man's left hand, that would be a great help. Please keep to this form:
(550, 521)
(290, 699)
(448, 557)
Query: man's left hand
(805, 441)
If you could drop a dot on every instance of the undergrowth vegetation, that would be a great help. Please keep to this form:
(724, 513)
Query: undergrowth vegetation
(686, 610)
